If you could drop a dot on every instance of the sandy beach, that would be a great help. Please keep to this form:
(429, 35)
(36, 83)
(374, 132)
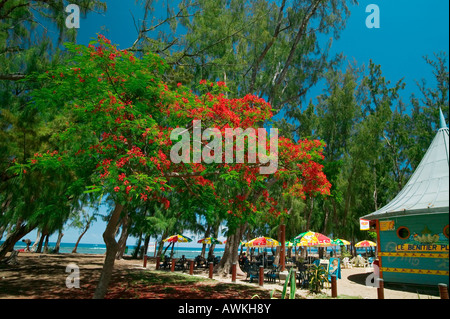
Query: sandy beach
(44, 277)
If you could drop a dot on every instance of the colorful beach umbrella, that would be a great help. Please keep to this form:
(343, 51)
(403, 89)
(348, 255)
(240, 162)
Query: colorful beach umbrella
(209, 240)
(262, 242)
(310, 238)
(365, 243)
(177, 239)
(290, 243)
(340, 242)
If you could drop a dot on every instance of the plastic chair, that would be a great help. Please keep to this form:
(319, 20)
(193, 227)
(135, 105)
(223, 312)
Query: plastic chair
(369, 262)
(165, 263)
(303, 278)
(274, 274)
(253, 272)
(180, 264)
(347, 263)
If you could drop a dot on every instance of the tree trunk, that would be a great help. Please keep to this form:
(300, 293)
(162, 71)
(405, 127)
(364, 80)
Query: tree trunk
(111, 250)
(213, 246)
(41, 242)
(326, 218)
(278, 248)
(208, 231)
(161, 243)
(309, 213)
(38, 239)
(145, 250)
(46, 244)
(44, 233)
(13, 238)
(230, 254)
(123, 237)
(138, 247)
(58, 242)
(74, 251)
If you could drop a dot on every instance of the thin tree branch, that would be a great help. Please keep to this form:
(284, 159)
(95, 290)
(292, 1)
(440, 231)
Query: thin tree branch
(12, 77)
(280, 77)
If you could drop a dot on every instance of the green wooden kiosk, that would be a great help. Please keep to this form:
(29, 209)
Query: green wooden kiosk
(413, 229)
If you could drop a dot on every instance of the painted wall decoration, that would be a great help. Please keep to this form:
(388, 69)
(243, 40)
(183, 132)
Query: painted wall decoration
(416, 251)
(387, 225)
(426, 241)
(334, 268)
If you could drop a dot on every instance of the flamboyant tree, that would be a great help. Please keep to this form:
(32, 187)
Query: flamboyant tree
(116, 141)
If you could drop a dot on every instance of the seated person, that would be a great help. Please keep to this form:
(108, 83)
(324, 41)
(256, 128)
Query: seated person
(242, 259)
(270, 260)
(211, 258)
(200, 261)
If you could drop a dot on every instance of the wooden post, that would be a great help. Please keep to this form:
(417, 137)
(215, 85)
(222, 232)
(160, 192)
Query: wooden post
(283, 247)
(261, 276)
(211, 269)
(172, 268)
(333, 286)
(380, 289)
(191, 267)
(145, 261)
(233, 272)
(158, 260)
(443, 291)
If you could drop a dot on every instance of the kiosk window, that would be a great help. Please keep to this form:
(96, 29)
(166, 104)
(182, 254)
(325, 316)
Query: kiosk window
(403, 232)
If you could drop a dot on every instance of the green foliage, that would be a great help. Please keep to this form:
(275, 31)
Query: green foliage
(28, 198)
(318, 275)
(289, 282)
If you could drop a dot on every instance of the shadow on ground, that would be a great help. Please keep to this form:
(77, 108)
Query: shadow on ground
(44, 277)
(419, 289)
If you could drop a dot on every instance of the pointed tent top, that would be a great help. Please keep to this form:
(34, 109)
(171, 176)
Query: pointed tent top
(442, 119)
(427, 190)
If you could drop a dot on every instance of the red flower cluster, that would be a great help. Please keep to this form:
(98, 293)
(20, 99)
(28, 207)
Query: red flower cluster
(127, 120)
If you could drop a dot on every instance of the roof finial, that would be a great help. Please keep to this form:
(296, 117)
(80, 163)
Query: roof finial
(442, 119)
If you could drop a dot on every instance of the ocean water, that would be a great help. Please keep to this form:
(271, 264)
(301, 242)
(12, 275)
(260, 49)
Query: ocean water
(179, 250)
(68, 247)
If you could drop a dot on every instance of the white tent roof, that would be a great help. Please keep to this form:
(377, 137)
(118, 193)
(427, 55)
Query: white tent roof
(427, 191)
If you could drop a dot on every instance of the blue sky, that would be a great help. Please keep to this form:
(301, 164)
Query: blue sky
(408, 31)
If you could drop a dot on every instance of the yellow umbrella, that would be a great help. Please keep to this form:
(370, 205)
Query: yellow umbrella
(262, 242)
(177, 239)
(340, 242)
(290, 244)
(312, 239)
(209, 240)
(365, 243)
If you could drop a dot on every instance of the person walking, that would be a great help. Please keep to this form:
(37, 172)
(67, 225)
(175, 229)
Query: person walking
(28, 242)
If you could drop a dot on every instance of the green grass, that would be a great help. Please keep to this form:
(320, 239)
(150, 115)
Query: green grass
(154, 277)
